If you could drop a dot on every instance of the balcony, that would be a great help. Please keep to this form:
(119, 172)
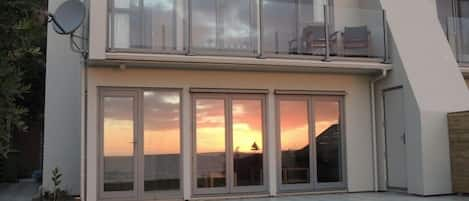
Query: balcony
(292, 29)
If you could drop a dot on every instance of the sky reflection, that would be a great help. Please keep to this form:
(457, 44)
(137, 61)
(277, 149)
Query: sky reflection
(162, 124)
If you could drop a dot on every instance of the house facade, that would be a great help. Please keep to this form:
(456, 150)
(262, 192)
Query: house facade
(196, 99)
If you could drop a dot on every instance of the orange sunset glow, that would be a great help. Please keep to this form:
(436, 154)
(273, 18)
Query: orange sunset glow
(294, 134)
(118, 126)
(247, 125)
(294, 121)
(162, 124)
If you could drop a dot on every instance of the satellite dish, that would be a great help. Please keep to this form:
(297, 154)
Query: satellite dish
(68, 17)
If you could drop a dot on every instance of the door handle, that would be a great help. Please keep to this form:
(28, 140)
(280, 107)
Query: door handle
(403, 138)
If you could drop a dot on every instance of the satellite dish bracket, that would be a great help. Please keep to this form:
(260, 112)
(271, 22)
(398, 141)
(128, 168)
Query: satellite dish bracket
(52, 19)
(67, 19)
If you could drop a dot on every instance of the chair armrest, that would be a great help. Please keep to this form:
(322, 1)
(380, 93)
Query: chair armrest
(292, 41)
(333, 36)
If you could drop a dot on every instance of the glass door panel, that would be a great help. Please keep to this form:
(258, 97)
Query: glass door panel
(210, 143)
(294, 142)
(247, 142)
(328, 140)
(161, 146)
(118, 144)
(229, 132)
(311, 147)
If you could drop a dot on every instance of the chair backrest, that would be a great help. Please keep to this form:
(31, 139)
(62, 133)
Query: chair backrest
(314, 32)
(356, 34)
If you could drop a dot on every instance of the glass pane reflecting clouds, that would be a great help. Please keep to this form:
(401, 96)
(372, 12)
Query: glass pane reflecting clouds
(224, 25)
(247, 142)
(290, 26)
(161, 140)
(147, 24)
(210, 142)
(121, 31)
(239, 25)
(294, 141)
(204, 23)
(327, 129)
(162, 24)
(118, 146)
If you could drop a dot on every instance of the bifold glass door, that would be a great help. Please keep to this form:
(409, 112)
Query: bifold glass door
(118, 125)
(310, 143)
(141, 153)
(229, 143)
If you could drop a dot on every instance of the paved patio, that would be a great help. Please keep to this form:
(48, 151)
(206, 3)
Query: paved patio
(24, 190)
(385, 196)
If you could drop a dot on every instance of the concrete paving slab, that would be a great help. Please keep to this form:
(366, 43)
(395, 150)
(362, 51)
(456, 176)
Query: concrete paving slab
(24, 190)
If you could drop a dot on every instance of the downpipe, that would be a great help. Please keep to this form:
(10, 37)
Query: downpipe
(85, 31)
(384, 73)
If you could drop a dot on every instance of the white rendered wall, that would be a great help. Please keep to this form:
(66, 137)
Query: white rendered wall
(435, 87)
(357, 111)
(397, 78)
(62, 111)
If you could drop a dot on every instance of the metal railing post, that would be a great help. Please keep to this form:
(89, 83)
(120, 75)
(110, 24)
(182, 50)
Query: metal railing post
(260, 30)
(276, 43)
(189, 27)
(385, 39)
(163, 36)
(326, 31)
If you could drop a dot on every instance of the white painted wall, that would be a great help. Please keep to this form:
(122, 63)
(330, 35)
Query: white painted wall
(62, 111)
(357, 110)
(98, 29)
(435, 86)
(396, 78)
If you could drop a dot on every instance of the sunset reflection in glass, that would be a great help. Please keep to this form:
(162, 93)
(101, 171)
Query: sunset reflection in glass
(294, 141)
(247, 142)
(118, 143)
(161, 148)
(210, 143)
(328, 139)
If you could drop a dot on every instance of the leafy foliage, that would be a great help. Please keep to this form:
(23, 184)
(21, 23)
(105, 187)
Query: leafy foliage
(56, 194)
(56, 180)
(22, 34)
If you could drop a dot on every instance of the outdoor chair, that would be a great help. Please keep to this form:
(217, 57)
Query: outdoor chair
(313, 41)
(356, 41)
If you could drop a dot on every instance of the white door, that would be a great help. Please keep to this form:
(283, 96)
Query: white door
(395, 139)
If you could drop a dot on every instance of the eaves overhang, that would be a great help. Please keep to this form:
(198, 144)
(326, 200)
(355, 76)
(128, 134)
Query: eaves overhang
(225, 63)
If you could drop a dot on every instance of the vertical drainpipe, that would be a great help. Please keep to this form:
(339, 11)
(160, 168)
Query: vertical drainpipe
(85, 33)
(373, 127)
(85, 127)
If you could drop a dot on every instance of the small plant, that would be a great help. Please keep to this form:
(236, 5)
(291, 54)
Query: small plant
(56, 180)
(56, 193)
